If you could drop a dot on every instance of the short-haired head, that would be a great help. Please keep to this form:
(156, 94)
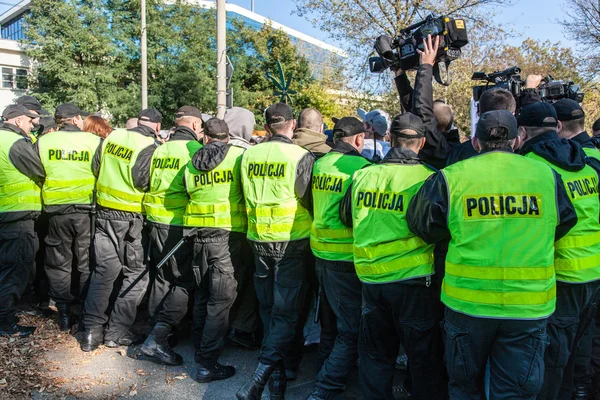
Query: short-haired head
(311, 119)
(571, 117)
(444, 116)
(497, 99)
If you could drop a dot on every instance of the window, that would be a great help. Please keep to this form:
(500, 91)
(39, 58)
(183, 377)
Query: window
(13, 29)
(14, 78)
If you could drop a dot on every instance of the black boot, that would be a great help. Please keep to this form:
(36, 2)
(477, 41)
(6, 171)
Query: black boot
(17, 330)
(254, 388)
(157, 345)
(92, 338)
(211, 370)
(64, 319)
(277, 384)
(321, 394)
(581, 393)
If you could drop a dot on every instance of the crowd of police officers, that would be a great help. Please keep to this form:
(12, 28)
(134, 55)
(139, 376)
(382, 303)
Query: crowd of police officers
(482, 259)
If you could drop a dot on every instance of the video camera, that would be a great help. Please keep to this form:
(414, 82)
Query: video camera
(401, 52)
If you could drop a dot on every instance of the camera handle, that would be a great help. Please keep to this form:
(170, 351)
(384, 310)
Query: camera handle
(441, 72)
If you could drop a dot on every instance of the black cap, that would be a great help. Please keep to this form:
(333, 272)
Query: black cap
(188, 111)
(68, 110)
(538, 114)
(47, 122)
(150, 115)
(31, 103)
(407, 122)
(216, 128)
(279, 112)
(568, 110)
(348, 126)
(596, 125)
(496, 119)
(16, 110)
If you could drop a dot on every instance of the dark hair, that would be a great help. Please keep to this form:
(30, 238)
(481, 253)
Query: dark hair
(398, 141)
(97, 126)
(279, 127)
(498, 138)
(497, 99)
(596, 126)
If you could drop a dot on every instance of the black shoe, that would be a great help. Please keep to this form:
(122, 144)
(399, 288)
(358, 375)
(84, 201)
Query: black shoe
(277, 384)
(254, 388)
(291, 374)
(17, 330)
(92, 338)
(157, 345)
(127, 339)
(64, 320)
(243, 339)
(208, 372)
(321, 394)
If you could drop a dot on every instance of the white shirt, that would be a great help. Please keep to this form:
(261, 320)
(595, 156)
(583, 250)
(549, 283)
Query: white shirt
(382, 149)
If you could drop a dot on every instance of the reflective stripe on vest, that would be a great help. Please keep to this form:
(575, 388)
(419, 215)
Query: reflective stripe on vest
(275, 214)
(500, 260)
(67, 159)
(115, 185)
(332, 175)
(17, 191)
(577, 257)
(166, 200)
(380, 197)
(216, 197)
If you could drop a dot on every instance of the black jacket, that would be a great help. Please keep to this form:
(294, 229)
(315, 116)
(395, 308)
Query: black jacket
(140, 173)
(427, 214)
(584, 140)
(23, 156)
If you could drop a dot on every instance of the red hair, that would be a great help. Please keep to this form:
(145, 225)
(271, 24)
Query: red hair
(97, 126)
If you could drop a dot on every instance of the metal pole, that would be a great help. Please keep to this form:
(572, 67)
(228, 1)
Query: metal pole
(144, 58)
(221, 59)
(252, 6)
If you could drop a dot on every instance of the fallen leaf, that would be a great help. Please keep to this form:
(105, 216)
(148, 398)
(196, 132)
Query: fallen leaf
(123, 352)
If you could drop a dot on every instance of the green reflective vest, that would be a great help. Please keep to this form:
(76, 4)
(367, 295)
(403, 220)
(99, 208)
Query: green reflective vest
(166, 200)
(275, 214)
(17, 191)
(216, 196)
(385, 250)
(502, 217)
(329, 238)
(594, 153)
(67, 160)
(115, 186)
(577, 256)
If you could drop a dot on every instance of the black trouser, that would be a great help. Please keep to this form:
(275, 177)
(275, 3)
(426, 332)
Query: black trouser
(67, 244)
(280, 283)
(214, 268)
(400, 313)
(18, 245)
(118, 249)
(583, 371)
(596, 356)
(575, 305)
(244, 313)
(514, 349)
(341, 292)
(163, 239)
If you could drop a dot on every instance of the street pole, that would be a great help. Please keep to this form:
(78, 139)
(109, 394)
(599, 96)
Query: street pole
(221, 59)
(252, 5)
(144, 58)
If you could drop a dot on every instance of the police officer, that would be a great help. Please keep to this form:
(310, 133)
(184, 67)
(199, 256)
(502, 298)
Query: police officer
(577, 259)
(34, 106)
(502, 213)
(217, 209)
(21, 176)
(166, 199)
(67, 196)
(331, 243)
(395, 268)
(276, 176)
(123, 165)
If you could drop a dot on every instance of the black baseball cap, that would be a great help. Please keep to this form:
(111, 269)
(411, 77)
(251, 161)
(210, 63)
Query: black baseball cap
(47, 122)
(188, 111)
(403, 124)
(538, 114)
(348, 126)
(596, 125)
(31, 103)
(568, 110)
(279, 112)
(69, 110)
(216, 128)
(17, 110)
(496, 119)
(150, 115)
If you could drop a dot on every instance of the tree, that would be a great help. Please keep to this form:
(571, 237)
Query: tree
(583, 25)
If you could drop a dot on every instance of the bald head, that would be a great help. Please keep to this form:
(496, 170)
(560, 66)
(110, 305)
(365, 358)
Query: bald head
(310, 118)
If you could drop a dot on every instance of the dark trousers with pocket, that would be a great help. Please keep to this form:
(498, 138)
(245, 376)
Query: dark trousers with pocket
(214, 270)
(18, 245)
(281, 285)
(341, 293)
(400, 313)
(514, 348)
(576, 305)
(118, 249)
(67, 246)
(244, 313)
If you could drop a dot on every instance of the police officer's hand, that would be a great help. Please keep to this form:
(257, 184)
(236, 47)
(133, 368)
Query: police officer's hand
(533, 81)
(429, 53)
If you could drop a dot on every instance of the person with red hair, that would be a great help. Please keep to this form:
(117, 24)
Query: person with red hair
(97, 125)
